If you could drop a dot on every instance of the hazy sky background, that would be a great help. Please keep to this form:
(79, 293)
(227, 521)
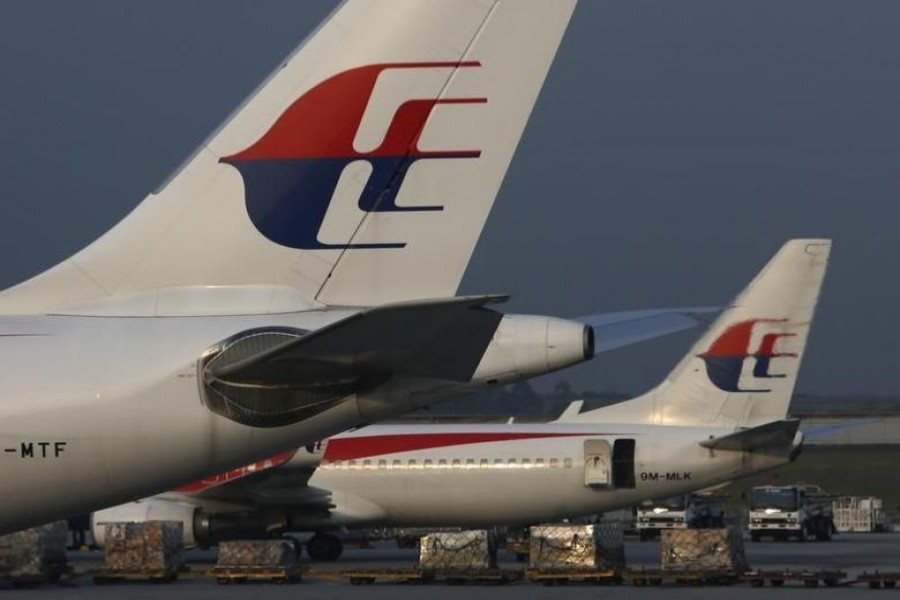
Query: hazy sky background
(675, 146)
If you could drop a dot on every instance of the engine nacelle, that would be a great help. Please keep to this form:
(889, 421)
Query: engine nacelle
(152, 509)
(525, 345)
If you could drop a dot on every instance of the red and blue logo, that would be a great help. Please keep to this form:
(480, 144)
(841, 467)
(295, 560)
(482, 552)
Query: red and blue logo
(726, 355)
(291, 173)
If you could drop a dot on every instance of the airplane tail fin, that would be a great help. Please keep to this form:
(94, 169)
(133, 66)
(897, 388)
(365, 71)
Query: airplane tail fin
(360, 173)
(742, 372)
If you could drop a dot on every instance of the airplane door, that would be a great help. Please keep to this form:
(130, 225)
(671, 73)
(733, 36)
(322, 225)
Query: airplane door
(597, 463)
(623, 464)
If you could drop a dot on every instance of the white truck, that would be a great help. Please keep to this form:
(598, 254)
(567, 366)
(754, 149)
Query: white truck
(692, 511)
(783, 512)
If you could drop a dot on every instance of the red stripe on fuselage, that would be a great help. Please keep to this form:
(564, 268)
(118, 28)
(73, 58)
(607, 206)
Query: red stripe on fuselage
(362, 447)
(262, 465)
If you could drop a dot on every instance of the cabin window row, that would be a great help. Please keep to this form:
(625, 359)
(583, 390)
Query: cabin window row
(454, 463)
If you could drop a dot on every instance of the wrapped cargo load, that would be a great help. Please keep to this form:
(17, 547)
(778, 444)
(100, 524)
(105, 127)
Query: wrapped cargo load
(458, 550)
(702, 549)
(142, 547)
(36, 552)
(257, 553)
(563, 547)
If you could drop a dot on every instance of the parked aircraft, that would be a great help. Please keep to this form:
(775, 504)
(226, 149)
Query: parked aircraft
(296, 277)
(719, 415)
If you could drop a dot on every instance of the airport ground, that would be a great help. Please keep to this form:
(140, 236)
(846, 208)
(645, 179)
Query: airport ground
(853, 553)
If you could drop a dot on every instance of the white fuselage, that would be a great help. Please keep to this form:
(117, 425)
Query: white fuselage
(539, 477)
(101, 410)
(98, 411)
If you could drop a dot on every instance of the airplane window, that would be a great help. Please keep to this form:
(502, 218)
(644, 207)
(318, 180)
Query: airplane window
(412, 463)
(567, 463)
(428, 463)
(352, 464)
(456, 462)
(382, 464)
(485, 463)
(511, 462)
(470, 463)
(397, 464)
(442, 463)
(367, 464)
(539, 462)
(554, 463)
(526, 462)
(498, 461)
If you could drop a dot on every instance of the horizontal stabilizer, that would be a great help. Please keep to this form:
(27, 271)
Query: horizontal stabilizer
(442, 339)
(835, 430)
(776, 435)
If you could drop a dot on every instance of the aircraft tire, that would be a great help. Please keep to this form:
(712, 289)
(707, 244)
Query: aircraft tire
(336, 548)
(324, 547)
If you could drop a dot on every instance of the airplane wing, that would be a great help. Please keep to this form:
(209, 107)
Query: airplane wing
(442, 339)
(273, 481)
(618, 329)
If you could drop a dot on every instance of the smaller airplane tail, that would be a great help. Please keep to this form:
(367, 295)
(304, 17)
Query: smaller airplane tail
(742, 372)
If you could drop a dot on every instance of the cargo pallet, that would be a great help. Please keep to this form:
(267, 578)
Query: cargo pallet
(241, 574)
(561, 577)
(416, 575)
(809, 579)
(108, 576)
(682, 577)
(878, 580)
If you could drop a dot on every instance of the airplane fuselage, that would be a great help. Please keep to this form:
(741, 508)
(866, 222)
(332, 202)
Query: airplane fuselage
(100, 410)
(531, 473)
(111, 409)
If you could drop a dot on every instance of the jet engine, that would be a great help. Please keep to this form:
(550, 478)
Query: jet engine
(528, 345)
(200, 528)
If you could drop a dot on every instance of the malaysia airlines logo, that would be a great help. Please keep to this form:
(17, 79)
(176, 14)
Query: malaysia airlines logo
(291, 173)
(726, 355)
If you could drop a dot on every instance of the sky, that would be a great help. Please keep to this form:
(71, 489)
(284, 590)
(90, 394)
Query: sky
(675, 146)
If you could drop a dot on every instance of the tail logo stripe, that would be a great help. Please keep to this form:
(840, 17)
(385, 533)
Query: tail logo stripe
(291, 173)
(725, 357)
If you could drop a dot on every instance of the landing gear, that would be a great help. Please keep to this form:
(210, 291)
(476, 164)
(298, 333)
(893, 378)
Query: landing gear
(324, 547)
(296, 545)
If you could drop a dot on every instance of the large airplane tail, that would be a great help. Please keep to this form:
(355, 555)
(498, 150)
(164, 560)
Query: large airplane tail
(742, 372)
(360, 173)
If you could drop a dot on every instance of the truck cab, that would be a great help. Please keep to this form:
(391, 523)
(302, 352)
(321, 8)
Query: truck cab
(691, 511)
(796, 511)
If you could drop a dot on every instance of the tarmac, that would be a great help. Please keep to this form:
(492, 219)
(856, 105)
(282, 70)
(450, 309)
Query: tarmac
(852, 553)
